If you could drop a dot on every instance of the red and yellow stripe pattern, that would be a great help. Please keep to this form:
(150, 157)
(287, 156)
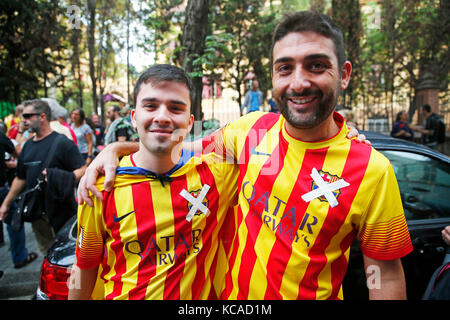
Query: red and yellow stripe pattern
(149, 249)
(280, 247)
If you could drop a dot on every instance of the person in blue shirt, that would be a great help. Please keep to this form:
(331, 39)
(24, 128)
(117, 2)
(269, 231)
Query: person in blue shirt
(401, 128)
(253, 98)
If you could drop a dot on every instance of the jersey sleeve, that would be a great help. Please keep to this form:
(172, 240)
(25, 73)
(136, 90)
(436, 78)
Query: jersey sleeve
(383, 233)
(229, 140)
(230, 173)
(91, 230)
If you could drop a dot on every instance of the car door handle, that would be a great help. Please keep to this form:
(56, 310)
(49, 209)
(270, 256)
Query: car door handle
(420, 189)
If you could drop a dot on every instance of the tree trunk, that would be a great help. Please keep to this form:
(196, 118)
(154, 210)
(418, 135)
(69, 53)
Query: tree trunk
(193, 43)
(75, 41)
(91, 48)
(128, 52)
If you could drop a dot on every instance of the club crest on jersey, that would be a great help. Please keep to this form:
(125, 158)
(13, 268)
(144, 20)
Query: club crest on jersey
(197, 202)
(325, 187)
(329, 178)
(195, 194)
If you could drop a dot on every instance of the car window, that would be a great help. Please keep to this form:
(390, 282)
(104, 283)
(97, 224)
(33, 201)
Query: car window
(424, 184)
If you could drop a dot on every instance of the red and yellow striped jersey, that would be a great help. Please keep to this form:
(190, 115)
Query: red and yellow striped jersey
(157, 239)
(300, 207)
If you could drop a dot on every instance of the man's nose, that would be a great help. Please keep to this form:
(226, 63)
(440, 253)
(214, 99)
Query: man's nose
(162, 115)
(300, 80)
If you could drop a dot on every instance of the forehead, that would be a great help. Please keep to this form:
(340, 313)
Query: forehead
(29, 108)
(164, 91)
(300, 44)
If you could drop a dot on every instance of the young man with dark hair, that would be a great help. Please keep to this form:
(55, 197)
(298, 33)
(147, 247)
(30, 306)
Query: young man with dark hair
(155, 234)
(305, 190)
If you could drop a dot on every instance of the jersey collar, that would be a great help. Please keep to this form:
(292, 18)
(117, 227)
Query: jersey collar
(134, 170)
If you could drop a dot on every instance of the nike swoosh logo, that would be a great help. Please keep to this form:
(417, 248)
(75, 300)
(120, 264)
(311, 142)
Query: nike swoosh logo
(118, 219)
(253, 151)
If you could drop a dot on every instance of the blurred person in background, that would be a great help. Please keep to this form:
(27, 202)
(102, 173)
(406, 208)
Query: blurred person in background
(99, 131)
(433, 129)
(58, 112)
(119, 129)
(84, 134)
(61, 174)
(401, 128)
(253, 100)
(19, 253)
(12, 122)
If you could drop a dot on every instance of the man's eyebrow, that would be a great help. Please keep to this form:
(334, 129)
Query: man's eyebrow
(149, 99)
(283, 59)
(317, 56)
(313, 56)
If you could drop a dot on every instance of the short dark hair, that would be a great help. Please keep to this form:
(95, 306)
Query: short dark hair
(40, 106)
(163, 72)
(310, 21)
(427, 108)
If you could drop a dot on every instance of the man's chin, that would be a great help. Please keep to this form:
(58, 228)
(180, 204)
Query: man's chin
(300, 120)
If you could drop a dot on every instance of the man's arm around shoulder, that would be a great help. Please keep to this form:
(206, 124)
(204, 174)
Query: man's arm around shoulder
(82, 282)
(385, 279)
(88, 253)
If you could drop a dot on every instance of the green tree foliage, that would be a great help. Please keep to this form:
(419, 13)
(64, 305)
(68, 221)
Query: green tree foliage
(161, 17)
(39, 49)
(30, 48)
(347, 15)
(412, 39)
(252, 28)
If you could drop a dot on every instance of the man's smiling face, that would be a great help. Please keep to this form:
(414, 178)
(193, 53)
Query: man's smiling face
(306, 78)
(162, 116)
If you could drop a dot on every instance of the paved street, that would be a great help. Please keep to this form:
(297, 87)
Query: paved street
(19, 284)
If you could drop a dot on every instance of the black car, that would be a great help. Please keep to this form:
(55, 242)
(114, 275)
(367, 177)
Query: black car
(424, 179)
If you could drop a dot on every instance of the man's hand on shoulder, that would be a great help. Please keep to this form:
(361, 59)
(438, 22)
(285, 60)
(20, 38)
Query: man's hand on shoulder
(105, 164)
(353, 133)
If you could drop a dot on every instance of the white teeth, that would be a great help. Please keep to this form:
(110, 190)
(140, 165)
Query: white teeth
(302, 100)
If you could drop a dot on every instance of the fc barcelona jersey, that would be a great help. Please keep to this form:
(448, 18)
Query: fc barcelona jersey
(300, 206)
(157, 237)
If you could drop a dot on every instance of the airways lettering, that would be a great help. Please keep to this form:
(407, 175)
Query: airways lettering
(167, 249)
(284, 224)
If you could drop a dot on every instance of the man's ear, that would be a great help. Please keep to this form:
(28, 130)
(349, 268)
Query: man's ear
(346, 71)
(133, 119)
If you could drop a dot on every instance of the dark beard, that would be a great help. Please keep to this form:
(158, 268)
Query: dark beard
(35, 127)
(320, 113)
